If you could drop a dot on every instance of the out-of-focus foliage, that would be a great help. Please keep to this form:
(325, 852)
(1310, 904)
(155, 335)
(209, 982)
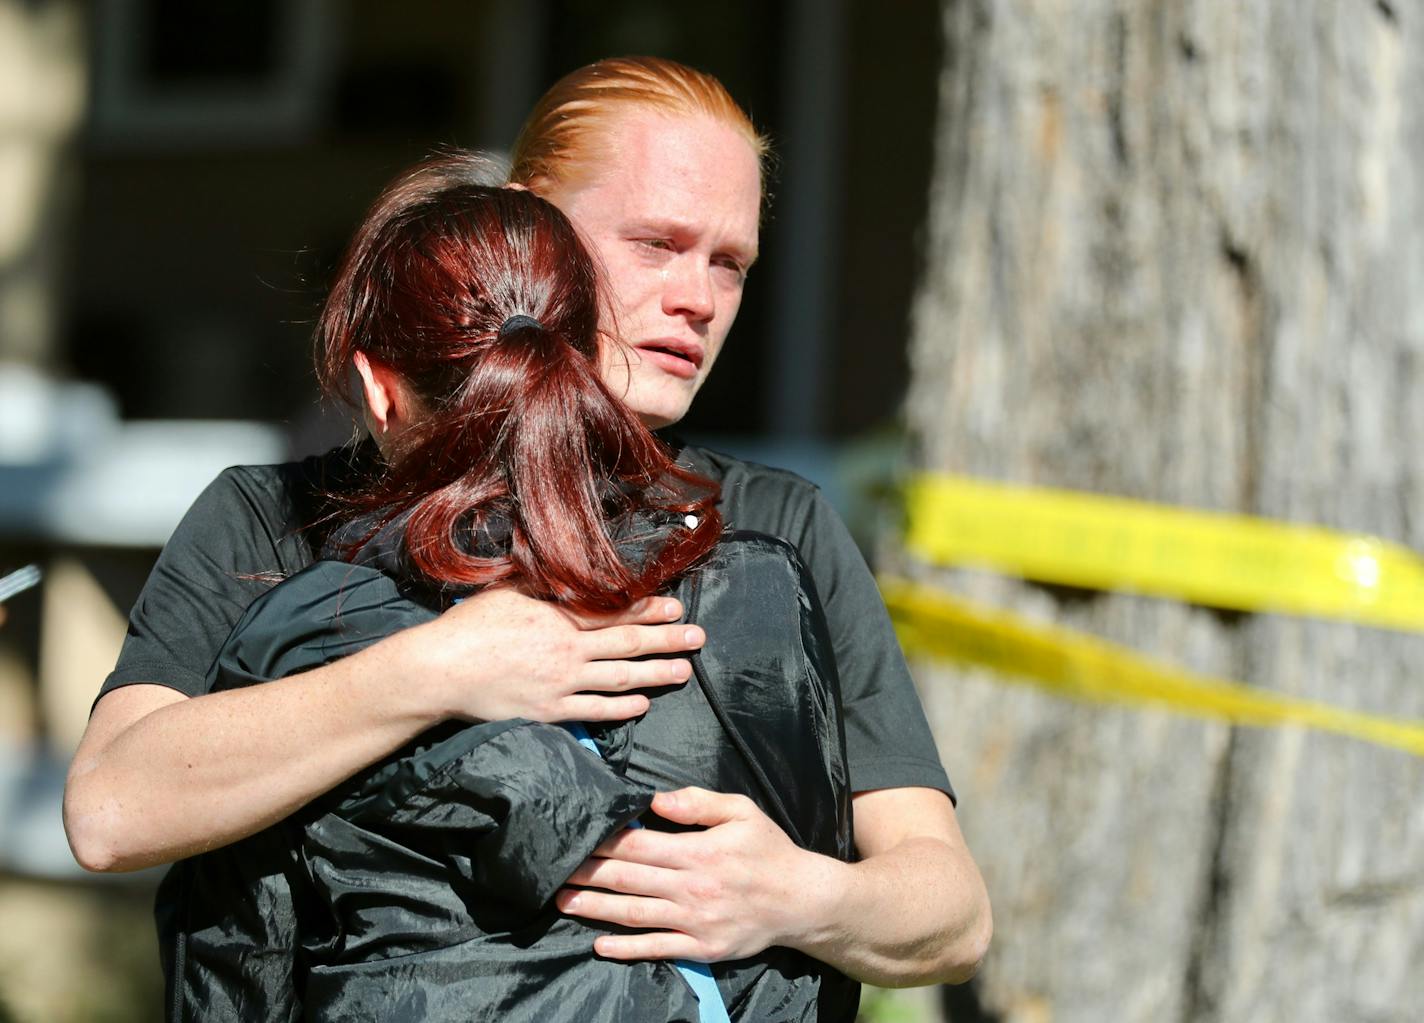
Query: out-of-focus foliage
(885, 1005)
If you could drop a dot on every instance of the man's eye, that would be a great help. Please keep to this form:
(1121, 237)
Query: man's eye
(662, 244)
(737, 270)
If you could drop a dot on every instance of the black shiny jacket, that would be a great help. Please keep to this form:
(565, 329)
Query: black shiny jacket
(421, 888)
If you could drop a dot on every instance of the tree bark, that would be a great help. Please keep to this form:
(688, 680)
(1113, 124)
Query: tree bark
(1176, 252)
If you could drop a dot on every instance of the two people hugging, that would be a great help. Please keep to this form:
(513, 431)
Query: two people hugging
(398, 784)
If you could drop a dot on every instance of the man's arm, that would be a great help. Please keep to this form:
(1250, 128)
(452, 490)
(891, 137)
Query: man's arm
(159, 776)
(913, 910)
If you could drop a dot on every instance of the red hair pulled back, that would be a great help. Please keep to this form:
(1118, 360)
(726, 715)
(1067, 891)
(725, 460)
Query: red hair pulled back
(519, 436)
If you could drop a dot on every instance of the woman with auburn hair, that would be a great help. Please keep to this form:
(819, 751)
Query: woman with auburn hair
(422, 888)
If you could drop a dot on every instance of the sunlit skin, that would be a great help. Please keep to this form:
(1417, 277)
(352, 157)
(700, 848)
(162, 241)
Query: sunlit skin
(674, 217)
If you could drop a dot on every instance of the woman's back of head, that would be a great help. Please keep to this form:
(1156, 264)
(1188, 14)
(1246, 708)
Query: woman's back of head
(485, 303)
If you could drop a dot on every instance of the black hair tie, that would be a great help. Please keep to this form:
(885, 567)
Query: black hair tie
(519, 322)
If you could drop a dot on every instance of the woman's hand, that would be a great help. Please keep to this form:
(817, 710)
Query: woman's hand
(502, 654)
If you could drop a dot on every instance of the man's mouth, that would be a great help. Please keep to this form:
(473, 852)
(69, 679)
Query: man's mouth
(673, 355)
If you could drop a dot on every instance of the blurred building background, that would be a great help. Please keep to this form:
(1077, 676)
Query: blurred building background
(176, 183)
(229, 149)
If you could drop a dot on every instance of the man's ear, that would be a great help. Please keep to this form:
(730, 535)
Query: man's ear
(381, 387)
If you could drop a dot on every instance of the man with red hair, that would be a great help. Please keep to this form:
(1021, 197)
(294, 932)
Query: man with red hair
(662, 174)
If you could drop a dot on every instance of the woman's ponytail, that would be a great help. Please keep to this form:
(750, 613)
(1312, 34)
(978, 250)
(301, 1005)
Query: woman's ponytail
(557, 472)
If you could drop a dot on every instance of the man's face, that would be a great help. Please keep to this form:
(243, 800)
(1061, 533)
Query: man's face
(674, 216)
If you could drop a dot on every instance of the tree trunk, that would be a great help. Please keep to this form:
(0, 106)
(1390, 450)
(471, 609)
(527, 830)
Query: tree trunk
(1176, 252)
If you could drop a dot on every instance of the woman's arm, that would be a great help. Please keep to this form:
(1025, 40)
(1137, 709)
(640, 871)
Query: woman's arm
(159, 776)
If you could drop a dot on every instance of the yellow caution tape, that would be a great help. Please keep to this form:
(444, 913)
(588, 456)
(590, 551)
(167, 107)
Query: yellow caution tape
(933, 623)
(1220, 560)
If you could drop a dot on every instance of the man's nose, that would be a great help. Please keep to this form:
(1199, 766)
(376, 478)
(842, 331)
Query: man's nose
(687, 290)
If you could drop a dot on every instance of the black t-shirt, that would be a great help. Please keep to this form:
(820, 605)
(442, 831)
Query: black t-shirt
(252, 526)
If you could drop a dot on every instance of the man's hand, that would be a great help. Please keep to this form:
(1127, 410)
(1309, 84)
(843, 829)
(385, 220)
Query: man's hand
(723, 893)
(502, 654)
(913, 910)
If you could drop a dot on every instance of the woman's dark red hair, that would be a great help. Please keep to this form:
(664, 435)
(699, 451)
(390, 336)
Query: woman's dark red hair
(520, 437)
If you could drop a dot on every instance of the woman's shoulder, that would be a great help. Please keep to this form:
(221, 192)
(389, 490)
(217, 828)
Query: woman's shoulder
(277, 487)
(276, 502)
(740, 471)
(756, 496)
